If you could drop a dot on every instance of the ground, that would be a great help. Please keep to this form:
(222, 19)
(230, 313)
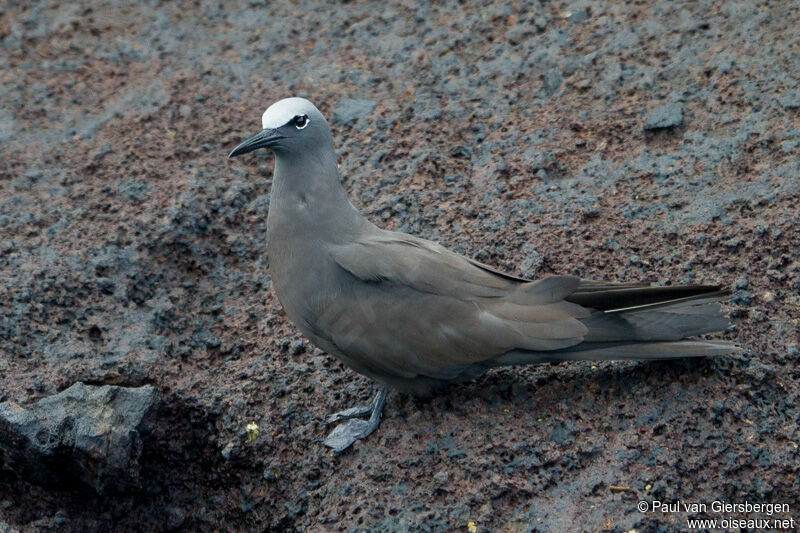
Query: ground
(642, 140)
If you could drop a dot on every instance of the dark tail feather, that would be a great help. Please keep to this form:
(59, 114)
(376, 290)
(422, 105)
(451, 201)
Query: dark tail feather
(633, 322)
(618, 351)
(671, 321)
(608, 298)
(650, 314)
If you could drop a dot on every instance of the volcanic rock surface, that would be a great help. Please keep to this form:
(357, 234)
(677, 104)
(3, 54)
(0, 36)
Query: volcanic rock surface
(90, 433)
(132, 252)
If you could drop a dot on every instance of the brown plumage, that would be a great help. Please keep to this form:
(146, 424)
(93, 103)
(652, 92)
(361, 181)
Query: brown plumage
(413, 315)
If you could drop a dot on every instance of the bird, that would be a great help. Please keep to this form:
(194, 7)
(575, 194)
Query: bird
(414, 316)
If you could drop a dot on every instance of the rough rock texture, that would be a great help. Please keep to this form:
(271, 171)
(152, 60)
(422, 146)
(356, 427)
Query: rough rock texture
(90, 433)
(664, 117)
(348, 110)
(132, 251)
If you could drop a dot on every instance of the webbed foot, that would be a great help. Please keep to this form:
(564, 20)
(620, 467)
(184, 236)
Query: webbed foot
(353, 428)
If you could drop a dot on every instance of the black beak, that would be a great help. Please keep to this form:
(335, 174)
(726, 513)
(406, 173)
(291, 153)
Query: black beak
(263, 139)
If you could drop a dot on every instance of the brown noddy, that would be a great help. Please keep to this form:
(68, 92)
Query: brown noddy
(412, 315)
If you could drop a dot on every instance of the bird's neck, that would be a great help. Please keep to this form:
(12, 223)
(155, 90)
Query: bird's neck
(307, 196)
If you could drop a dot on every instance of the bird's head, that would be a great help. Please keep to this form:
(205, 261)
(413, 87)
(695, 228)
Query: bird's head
(290, 126)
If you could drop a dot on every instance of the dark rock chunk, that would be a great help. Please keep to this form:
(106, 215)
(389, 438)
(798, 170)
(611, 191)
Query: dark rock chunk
(533, 261)
(790, 99)
(668, 116)
(741, 297)
(89, 433)
(578, 13)
(348, 110)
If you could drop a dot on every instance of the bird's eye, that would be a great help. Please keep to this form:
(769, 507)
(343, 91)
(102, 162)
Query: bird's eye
(300, 121)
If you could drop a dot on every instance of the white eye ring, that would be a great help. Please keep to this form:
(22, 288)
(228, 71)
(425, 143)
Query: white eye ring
(300, 121)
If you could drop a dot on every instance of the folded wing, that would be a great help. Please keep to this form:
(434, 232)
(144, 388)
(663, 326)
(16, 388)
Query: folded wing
(446, 310)
(435, 313)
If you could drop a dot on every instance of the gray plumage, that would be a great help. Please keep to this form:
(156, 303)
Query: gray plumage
(413, 315)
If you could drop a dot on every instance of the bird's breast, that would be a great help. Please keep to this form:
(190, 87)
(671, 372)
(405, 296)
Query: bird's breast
(303, 278)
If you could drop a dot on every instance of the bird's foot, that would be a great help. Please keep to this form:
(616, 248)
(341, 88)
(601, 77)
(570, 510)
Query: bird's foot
(353, 428)
(353, 412)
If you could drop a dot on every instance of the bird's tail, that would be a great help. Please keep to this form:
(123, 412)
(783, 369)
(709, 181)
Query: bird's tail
(640, 322)
(618, 351)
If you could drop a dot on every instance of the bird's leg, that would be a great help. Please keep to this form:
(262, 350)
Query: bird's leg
(354, 428)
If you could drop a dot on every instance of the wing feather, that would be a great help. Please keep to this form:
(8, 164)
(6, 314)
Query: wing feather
(418, 309)
(435, 311)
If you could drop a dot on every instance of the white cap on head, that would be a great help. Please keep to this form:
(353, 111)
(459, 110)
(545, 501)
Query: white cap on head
(282, 111)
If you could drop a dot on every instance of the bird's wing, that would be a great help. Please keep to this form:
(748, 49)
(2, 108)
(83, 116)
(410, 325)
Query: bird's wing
(444, 310)
(428, 267)
(417, 309)
(423, 265)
